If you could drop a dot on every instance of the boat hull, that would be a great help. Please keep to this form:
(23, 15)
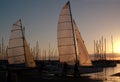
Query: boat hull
(104, 63)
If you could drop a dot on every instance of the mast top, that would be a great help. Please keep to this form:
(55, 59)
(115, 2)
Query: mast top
(19, 19)
(67, 4)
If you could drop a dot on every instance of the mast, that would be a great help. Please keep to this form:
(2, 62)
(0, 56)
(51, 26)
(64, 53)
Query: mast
(49, 54)
(102, 47)
(3, 48)
(94, 50)
(73, 33)
(0, 48)
(45, 55)
(37, 50)
(105, 49)
(112, 46)
(23, 33)
(76, 66)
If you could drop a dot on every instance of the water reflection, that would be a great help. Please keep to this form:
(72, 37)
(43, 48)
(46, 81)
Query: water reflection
(106, 74)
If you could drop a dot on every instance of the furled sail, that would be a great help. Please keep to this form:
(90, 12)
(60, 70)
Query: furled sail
(65, 37)
(18, 50)
(83, 57)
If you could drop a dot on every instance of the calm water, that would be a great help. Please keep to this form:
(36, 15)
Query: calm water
(106, 74)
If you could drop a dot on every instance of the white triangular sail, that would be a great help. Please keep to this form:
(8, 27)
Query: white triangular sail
(29, 58)
(70, 44)
(18, 51)
(83, 57)
(16, 47)
(65, 36)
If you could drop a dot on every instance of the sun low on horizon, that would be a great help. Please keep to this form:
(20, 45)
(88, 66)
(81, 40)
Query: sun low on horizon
(116, 47)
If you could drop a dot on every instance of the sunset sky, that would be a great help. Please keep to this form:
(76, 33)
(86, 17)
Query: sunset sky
(95, 18)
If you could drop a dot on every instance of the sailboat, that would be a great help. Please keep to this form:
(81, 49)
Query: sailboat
(19, 54)
(71, 47)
